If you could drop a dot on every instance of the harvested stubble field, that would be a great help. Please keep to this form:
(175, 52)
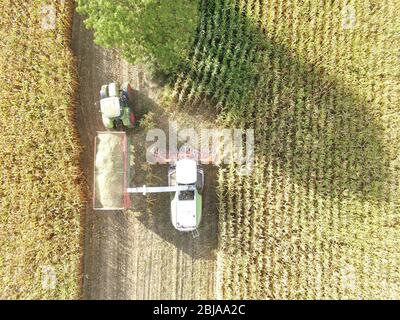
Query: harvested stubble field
(40, 192)
(319, 83)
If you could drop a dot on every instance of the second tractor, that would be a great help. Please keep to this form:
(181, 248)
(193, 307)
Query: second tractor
(116, 106)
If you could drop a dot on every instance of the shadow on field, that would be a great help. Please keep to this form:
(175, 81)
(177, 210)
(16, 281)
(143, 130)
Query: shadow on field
(311, 126)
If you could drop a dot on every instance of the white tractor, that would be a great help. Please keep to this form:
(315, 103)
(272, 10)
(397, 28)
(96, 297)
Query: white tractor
(186, 206)
(116, 106)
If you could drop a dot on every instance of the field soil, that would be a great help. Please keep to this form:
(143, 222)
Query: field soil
(137, 254)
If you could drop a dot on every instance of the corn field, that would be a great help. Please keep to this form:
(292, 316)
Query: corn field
(41, 189)
(318, 217)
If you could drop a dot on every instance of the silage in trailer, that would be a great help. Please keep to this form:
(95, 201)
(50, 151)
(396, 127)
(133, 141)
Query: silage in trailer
(110, 171)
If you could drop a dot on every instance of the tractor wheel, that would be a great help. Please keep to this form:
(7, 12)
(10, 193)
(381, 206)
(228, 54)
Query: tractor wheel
(108, 123)
(132, 119)
(200, 185)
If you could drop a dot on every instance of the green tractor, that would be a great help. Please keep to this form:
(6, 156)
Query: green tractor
(116, 106)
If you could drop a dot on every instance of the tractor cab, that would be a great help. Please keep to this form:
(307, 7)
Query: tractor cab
(186, 206)
(116, 105)
(111, 107)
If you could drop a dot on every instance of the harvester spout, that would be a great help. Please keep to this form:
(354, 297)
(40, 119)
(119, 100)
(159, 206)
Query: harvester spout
(146, 189)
